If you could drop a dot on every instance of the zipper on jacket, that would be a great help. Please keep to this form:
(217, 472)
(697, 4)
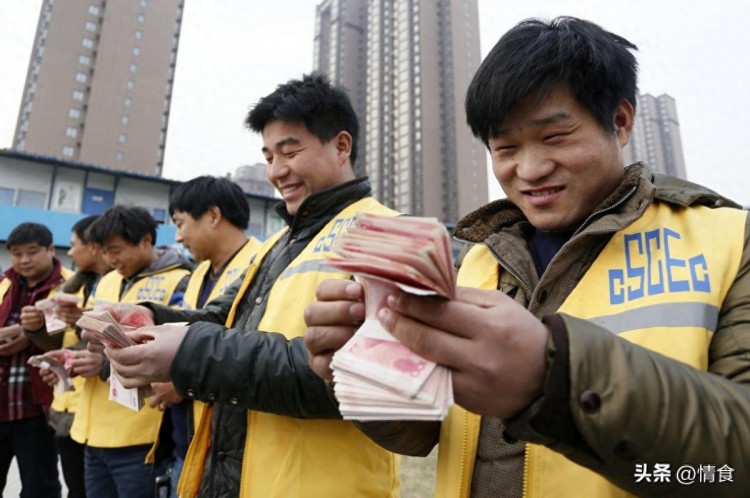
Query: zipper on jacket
(465, 442)
(502, 263)
(243, 480)
(597, 213)
(525, 488)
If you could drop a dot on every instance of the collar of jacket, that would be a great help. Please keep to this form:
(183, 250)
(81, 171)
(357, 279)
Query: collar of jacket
(324, 203)
(166, 259)
(496, 216)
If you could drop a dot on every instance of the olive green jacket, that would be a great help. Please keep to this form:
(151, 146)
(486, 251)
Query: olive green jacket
(663, 411)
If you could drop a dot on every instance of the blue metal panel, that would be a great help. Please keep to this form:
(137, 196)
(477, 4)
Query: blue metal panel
(60, 224)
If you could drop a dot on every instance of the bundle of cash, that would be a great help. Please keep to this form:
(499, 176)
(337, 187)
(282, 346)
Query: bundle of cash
(59, 362)
(111, 333)
(53, 324)
(376, 377)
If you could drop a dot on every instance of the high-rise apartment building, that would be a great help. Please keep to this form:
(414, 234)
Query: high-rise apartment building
(99, 83)
(420, 57)
(340, 52)
(656, 136)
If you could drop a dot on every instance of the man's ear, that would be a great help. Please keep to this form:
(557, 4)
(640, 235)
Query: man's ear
(343, 141)
(624, 120)
(214, 215)
(147, 239)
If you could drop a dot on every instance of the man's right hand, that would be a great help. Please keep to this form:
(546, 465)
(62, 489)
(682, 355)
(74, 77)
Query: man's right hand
(126, 314)
(331, 321)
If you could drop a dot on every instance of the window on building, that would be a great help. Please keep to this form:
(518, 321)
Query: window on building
(87, 43)
(128, 102)
(68, 151)
(119, 156)
(122, 138)
(71, 131)
(74, 113)
(78, 95)
(94, 10)
(6, 196)
(124, 120)
(31, 198)
(138, 34)
(160, 215)
(136, 50)
(133, 67)
(91, 26)
(131, 84)
(144, 3)
(84, 59)
(81, 77)
(140, 18)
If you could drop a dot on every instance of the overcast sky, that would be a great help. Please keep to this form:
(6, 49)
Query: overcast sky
(232, 52)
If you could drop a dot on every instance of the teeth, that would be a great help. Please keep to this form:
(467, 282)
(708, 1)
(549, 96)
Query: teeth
(541, 193)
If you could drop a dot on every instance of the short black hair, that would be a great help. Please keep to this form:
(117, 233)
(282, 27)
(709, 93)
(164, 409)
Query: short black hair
(596, 66)
(324, 109)
(81, 228)
(28, 233)
(132, 223)
(199, 194)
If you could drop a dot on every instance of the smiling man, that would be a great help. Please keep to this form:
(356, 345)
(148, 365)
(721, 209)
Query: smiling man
(118, 439)
(600, 339)
(274, 428)
(34, 275)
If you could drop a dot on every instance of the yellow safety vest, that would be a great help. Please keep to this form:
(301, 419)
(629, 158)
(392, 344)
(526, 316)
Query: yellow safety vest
(672, 261)
(290, 457)
(102, 423)
(68, 401)
(232, 272)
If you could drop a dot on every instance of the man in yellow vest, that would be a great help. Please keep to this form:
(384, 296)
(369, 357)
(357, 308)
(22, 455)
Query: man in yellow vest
(275, 431)
(603, 328)
(118, 439)
(90, 267)
(211, 215)
(34, 274)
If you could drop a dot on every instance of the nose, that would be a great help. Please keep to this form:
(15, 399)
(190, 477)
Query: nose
(533, 164)
(178, 236)
(276, 169)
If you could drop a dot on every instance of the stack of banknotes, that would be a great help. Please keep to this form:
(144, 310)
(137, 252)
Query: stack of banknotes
(111, 333)
(59, 361)
(375, 376)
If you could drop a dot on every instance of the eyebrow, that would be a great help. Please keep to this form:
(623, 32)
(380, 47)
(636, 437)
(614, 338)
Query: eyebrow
(282, 143)
(550, 119)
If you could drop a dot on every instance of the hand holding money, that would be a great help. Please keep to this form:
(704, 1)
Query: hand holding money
(58, 362)
(376, 377)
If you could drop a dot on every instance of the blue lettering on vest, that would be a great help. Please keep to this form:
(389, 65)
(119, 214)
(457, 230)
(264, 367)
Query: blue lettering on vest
(152, 290)
(646, 256)
(325, 242)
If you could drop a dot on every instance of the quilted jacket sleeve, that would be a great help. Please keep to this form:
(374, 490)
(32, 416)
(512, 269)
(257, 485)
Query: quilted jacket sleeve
(254, 370)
